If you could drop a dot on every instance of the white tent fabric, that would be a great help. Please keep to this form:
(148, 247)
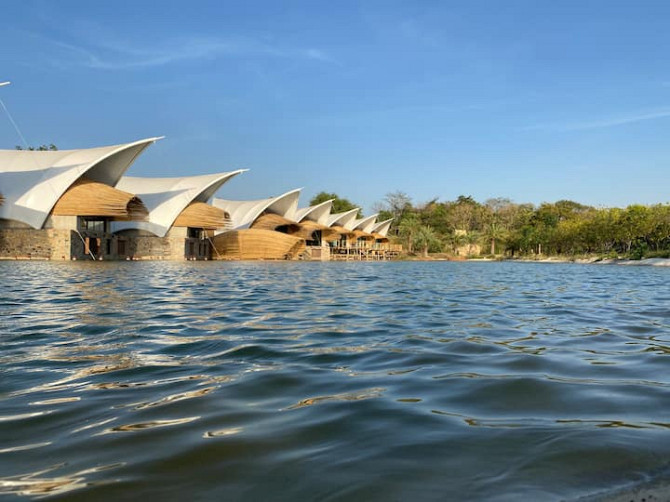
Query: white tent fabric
(166, 198)
(33, 181)
(365, 224)
(318, 213)
(345, 219)
(382, 228)
(244, 212)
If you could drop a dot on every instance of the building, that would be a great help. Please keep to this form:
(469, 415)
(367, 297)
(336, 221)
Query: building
(260, 229)
(60, 204)
(313, 222)
(382, 246)
(342, 225)
(78, 204)
(180, 222)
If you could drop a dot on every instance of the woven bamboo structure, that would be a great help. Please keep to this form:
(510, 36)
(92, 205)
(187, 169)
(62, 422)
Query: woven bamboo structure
(359, 234)
(257, 244)
(91, 198)
(342, 232)
(307, 229)
(202, 215)
(271, 221)
(380, 238)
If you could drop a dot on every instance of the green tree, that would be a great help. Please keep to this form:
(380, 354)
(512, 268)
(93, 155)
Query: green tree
(340, 204)
(42, 148)
(407, 229)
(426, 240)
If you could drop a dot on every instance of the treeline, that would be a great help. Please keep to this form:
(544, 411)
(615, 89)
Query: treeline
(502, 227)
(42, 148)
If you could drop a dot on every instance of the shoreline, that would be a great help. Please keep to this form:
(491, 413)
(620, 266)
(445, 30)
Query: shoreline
(648, 262)
(645, 262)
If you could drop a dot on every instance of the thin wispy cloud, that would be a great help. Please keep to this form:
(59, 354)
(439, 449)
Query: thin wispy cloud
(111, 54)
(601, 124)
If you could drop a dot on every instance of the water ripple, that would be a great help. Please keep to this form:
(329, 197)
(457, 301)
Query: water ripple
(332, 381)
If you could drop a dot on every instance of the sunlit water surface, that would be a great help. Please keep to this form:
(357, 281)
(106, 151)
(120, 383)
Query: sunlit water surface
(332, 381)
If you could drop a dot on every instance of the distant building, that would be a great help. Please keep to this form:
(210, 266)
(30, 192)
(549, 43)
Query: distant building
(313, 221)
(260, 229)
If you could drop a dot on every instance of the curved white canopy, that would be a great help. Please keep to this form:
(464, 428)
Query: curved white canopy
(318, 213)
(244, 212)
(365, 224)
(166, 198)
(344, 219)
(382, 228)
(33, 181)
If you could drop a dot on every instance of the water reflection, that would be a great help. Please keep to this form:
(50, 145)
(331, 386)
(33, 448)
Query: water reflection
(350, 396)
(36, 484)
(149, 425)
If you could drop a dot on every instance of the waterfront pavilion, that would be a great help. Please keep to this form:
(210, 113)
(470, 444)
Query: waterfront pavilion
(363, 231)
(313, 222)
(59, 204)
(260, 229)
(180, 221)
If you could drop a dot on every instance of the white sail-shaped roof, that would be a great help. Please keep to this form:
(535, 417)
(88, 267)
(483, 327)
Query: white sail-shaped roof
(244, 212)
(166, 198)
(382, 228)
(365, 224)
(344, 219)
(318, 213)
(33, 181)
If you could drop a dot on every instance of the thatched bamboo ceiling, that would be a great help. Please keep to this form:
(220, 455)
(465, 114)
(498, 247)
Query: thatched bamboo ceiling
(343, 231)
(380, 237)
(91, 198)
(308, 227)
(257, 244)
(270, 221)
(202, 215)
(359, 234)
(33, 181)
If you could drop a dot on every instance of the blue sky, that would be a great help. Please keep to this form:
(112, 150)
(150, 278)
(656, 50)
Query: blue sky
(532, 100)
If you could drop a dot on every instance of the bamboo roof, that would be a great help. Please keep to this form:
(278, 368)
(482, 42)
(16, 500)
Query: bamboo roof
(257, 244)
(91, 198)
(380, 237)
(345, 219)
(382, 227)
(365, 224)
(167, 198)
(245, 212)
(202, 215)
(308, 227)
(342, 231)
(359, 234)
(318, 213)
(271, 221)
(33, 181)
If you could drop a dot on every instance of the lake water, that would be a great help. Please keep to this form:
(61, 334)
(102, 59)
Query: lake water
(332, 381)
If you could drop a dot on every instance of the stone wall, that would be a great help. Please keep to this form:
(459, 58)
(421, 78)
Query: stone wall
(176, 245)
(31, 244)
(63, 241)
(318, 253)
